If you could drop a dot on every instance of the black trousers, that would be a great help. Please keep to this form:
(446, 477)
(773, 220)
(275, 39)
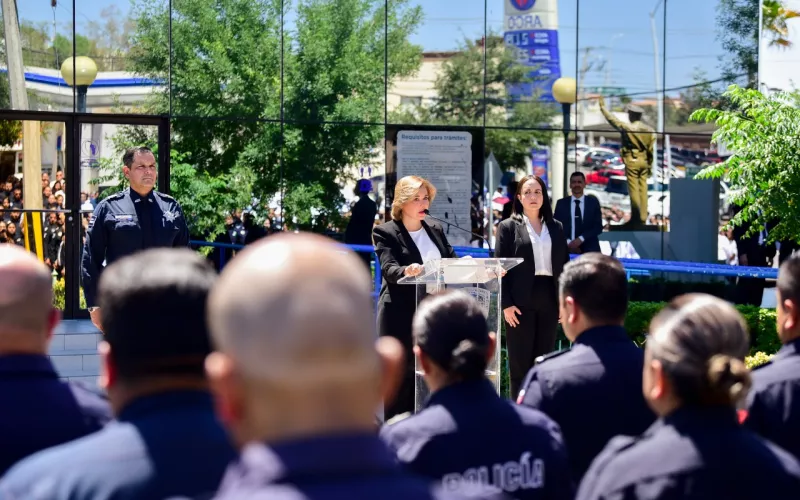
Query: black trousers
(536, 333)
(750, 291)
(394, 320)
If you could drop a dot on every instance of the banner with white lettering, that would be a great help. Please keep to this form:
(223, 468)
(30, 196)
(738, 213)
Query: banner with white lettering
(445, 159)
(531, 28)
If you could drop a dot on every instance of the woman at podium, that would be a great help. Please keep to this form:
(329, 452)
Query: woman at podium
(530, 290)
(403, 246)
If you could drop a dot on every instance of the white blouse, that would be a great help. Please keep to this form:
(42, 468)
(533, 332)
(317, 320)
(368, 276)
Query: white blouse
(542, 249)
(427, 249)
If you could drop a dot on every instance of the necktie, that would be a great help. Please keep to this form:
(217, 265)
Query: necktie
(578, 223)
(146, 222)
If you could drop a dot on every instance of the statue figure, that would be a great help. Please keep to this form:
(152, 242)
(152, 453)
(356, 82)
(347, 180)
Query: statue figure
(637, 151)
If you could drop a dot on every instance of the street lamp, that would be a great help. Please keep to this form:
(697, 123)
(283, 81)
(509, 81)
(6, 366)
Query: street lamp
(564, 91)
(80, 74)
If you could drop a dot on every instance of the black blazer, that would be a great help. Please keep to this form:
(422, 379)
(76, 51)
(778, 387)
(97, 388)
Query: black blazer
(592, 221)
(513, 241)
(396, 251)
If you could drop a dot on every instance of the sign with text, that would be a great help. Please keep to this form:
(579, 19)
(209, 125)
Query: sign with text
(445, 159)
(531, 28)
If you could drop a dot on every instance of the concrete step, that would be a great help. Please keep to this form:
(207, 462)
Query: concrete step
(74, 342)
(84, 361)
(76, 326)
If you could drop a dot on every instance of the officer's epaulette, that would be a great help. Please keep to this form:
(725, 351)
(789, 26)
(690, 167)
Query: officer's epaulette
(551, 355)
(116, 196)
(163, 195)
(397, 418)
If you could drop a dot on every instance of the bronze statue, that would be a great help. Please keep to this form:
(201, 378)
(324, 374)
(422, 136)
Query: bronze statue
(637, 150)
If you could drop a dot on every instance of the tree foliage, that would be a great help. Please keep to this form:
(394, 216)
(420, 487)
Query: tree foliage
(105, 39)
(230, 65)
(465, 97)
(764, 171)
(10, 131)
(737, 26)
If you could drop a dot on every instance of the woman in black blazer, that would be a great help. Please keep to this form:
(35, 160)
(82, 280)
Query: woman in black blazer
(530, 290)
(404, 245)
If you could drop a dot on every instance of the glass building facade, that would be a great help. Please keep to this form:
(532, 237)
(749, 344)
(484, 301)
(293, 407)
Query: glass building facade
(278, 107)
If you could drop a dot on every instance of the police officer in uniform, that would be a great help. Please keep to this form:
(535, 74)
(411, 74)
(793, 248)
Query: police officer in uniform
(467, 433)
(694, 375)
(773, 407)
(593, 390)
(297, 377)
(637, 151)
(52, 239)
(38, 409)
(166, 441)
(135, 219)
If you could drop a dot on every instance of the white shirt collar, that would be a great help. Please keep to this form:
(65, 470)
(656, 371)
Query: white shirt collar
(579, 199)
(528, 221)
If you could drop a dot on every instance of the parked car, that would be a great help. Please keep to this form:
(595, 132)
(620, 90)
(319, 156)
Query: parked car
(598, 159)
(601, 175)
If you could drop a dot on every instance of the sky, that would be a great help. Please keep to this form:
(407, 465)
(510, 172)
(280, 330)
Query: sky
(616, 33)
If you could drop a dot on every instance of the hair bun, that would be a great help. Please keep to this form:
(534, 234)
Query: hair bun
(728, 378)
(468, 360)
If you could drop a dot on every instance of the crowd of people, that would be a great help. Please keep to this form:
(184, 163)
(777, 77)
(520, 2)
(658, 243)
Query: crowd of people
(53, 215)
(264, 382)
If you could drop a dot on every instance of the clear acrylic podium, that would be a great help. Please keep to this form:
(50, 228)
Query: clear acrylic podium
(479, 277)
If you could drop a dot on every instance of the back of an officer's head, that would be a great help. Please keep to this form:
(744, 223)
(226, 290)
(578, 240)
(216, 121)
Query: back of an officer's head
(788, 295)
(27, 315)
(294, 336)
(152, 307)
(452, 337)
(695, 354)
(593, 291)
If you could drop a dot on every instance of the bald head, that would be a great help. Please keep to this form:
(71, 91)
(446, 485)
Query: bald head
(26, 294)
(296, 308)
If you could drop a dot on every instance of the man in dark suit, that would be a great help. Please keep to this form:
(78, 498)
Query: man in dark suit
(362, 220)
(753, 250)
(581, 217)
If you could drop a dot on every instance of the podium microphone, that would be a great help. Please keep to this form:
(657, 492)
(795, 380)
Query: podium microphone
(491, 252)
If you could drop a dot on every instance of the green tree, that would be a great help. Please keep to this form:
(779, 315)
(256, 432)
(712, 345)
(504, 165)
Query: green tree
(737, 26)
(226, 62)
(764, 172)
(461, 101)
(10, 131)
(62, 48)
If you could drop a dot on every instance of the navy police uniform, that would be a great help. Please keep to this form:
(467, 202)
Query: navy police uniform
(773, 406)
(593, 391)
(693, 453)
(341, 467)
(39, 410)
(162, 446)
(466, 433)
(127, 222)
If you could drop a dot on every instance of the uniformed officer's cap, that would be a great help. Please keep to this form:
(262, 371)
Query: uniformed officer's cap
(153, 311)
(633, 108)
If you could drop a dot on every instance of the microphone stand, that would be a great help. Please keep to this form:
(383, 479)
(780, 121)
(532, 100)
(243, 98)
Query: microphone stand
(489, 245)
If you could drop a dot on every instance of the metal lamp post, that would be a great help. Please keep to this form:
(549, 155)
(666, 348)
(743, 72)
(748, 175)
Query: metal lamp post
(564, 91)
(79, 73)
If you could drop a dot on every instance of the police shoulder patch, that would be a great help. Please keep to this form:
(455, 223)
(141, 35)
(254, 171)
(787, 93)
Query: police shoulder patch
(551, 355)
